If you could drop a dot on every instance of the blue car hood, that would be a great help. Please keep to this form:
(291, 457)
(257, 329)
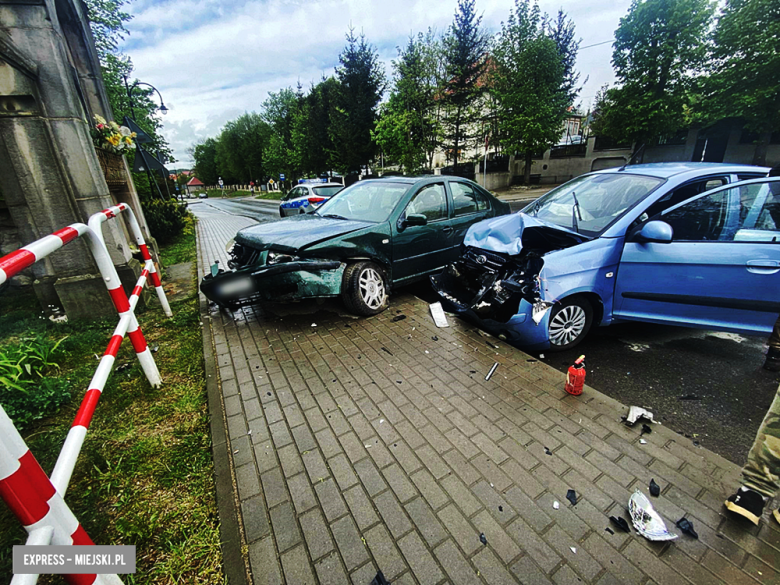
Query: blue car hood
(510, 234)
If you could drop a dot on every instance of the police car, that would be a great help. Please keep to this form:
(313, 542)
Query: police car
(308, 196)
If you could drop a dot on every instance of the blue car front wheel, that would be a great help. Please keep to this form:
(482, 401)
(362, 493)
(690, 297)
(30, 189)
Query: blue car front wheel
(569, 323)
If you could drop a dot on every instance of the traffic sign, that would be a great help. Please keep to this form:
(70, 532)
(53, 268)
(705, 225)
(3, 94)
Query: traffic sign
(281, 176)
(220, 182)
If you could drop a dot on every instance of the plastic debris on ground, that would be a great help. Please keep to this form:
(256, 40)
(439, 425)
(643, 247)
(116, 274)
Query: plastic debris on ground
(655, 489)
(398, 318)
(122, 367)
(687, 527)
(547, 451)
(571, 495)
(438, 315)
(642, 442)
(434, 338)
(635, 413)
(620, 523)
(574, 550)
(380, 579)
(646, 520)
(384, 349)
(608, 529)
(556, 505)
(482, 538)
(491, 372)
(646, 430)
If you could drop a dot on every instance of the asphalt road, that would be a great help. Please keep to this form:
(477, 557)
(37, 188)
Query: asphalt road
(706, 385)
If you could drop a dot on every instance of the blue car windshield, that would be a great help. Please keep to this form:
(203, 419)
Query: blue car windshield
(372, 201)
(589, 204)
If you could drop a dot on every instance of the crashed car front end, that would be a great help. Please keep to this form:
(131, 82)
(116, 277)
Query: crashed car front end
(499, 280)
(271, 276)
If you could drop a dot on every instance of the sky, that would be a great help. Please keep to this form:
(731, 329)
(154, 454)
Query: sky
(213, 60)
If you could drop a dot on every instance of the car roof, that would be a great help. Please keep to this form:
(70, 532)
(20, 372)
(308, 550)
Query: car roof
(667, 170)
(319, 185)
(415, 179)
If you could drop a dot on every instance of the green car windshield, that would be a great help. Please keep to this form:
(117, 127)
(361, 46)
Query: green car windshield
(372, 201)
(589, 204)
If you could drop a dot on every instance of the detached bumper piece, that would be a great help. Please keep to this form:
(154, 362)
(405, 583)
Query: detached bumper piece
(280, 282)
(490, 285)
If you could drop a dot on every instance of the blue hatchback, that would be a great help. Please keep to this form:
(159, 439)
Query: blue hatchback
(692, 244)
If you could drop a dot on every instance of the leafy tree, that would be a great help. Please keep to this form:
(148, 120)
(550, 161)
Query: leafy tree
(465, 50)
(321, 102)
(278, 112)
(744, 77)
(362, 83)
(529, 82)
(659, 51)
(205, 157)
(561, 30)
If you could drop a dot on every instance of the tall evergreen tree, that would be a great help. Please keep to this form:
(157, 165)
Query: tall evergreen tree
(362, 83)
(465, 51)
(659, 51)
(744, 76)
(561, 30)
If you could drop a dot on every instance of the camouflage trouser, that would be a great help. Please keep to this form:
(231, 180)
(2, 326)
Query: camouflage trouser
(762, 470)
(774, 337)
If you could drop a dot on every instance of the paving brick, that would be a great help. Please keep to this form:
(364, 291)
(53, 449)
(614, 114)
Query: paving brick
(370, 477)
(650, 564)
(459, 527)
(523, 478)
(612, 560)
(330, 499)
(399, 483)
(302, 494)
(461, 495)
(248, 482)
(532, 512)
(492, 472)
(255, 518)
(316, 533)
(316, 420)
(462, 443)
(265, 565)
(497, 538)
(378, 452)
(330, 571)
(364, 574)
(489, 448)
(304, 439)
(497, 506)
(274, 487)
(430, 489)
(315, 466)
(458, 570)
(425, 520)
(349, 542)
(328, 443)
(566, 576)
(285, 527)
(393, 515)
(431, 461)
(693, 571)
(385, 552)
(291, 461)
(361, 507)
(297, 569)
(491, 568)
(421, 561)
(353, 447)
(405, 456)
(533, 545)
(528, 572)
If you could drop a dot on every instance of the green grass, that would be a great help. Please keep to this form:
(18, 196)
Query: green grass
(182, 249)
(217, 194)
(145, 475)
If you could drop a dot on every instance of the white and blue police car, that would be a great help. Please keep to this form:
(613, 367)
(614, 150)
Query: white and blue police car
(307, 196)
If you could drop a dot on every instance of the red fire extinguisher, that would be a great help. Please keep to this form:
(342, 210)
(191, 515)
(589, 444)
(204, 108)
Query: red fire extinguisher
(575, 378)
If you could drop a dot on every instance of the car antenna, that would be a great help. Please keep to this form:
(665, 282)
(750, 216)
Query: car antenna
(639, 151)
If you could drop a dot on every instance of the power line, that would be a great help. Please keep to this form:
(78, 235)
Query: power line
(596, 44)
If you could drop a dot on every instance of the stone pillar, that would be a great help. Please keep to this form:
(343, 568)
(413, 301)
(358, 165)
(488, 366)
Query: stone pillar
(49, 173)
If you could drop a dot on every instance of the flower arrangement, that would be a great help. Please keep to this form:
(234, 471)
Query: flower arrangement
(111, 136)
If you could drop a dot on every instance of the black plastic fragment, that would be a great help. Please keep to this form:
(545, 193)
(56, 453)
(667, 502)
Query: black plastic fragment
(620, 523)
(608, 529)
(434, 338)
(571, 495)
(482, 538)
(398, 318)
(387, 350)
(380, 579)
(501, 508)
(655, 489)
(646, 430)
(547, 451)
(687, 527)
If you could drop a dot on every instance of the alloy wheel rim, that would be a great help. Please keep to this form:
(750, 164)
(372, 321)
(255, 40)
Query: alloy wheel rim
(372, 288)
(567, 325)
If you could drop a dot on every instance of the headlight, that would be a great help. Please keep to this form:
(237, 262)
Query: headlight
(229, 245)
(277, 258)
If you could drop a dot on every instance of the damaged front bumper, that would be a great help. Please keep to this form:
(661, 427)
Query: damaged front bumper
(280, 282)
(501, 292)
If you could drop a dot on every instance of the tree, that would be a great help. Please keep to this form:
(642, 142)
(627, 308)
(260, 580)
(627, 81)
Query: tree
(240, 152)
(562, 32)
(279, 112)
(744, 79)
(362, 83)
(465, 50)
(530, 84)
(205, 157)
(659, 52)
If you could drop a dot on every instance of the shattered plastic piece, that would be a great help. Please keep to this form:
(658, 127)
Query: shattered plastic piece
(398, 318)
(646, 520)
(637, 412)
(438, 315)
(434, 338)
(608, 529)
(642, 442)
(154, 348)
(655, 489)
(541, 356)
(482, 538)
(556, 505)
(547, 451)
(313, 324)
(571, 495)
(491, 372)
(687, 527)
(646, 430)
(539, 310)
(572, 549)
(384, 349)
(493, 345)
(122, 367)
(620, 523)
(380, 579)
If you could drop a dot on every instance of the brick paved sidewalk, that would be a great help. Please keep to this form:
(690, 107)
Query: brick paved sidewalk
(365, 444)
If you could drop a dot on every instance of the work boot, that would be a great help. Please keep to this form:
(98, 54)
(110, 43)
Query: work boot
(772, 362)
(749, 504)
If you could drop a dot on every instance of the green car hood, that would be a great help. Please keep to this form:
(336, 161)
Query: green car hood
(294, 234)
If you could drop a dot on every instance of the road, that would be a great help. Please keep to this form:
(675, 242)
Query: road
(706, 385)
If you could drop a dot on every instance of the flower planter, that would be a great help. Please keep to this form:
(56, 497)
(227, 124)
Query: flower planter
(113, 168)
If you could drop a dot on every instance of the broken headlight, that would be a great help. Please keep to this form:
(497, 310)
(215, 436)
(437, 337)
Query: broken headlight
(278, 258)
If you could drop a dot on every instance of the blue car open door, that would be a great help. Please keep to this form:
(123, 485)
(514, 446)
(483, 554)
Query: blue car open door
(712, 261)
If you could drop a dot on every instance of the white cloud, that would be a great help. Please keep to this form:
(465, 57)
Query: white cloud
(213, 60)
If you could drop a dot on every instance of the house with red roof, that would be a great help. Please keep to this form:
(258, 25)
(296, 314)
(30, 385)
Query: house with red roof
(194, 184)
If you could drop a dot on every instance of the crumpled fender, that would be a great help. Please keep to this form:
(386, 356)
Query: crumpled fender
(509, 234)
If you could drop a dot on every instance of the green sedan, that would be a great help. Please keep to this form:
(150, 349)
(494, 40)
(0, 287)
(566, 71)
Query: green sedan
(368, 239)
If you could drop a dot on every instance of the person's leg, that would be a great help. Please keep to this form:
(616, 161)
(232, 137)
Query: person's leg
(761, 473)
(772, 362)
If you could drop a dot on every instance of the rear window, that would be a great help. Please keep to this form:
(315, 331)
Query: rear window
(327, 191)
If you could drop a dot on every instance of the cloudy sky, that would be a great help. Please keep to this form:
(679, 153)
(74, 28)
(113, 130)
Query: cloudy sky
(213, 60)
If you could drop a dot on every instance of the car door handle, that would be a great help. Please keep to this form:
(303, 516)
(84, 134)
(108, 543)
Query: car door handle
(763, 266)
(448, 230)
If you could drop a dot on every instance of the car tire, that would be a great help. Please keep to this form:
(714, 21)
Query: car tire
(364, 289)
(569, 323)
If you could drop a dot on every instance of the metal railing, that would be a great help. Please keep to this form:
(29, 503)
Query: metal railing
(36, 500)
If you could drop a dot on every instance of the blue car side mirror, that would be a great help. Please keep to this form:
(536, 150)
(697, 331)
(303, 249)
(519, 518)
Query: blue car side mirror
(655, 231)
